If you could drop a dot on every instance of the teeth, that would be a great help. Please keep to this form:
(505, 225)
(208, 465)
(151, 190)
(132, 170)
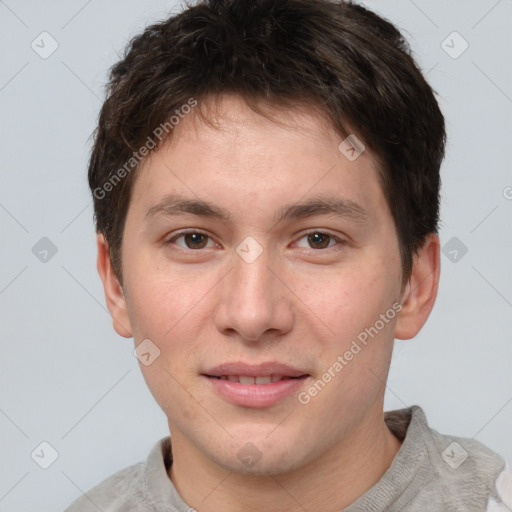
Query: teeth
(263, 380)
(245, 379)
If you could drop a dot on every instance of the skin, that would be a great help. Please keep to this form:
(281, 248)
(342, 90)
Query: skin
(299, 303)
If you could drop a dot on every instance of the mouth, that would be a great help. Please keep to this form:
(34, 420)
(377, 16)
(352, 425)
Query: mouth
(259, 380)
(256, 386)
(265, 370)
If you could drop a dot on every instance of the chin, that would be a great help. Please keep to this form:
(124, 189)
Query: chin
(260, 456)
(266, 466)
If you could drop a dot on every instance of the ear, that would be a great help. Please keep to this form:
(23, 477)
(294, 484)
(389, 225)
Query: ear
(114, 295)
(421, 290)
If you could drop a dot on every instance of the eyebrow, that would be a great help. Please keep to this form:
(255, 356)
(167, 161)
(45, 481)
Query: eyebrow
(173, 204)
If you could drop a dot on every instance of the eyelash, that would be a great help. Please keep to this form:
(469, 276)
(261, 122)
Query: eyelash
(170, 241)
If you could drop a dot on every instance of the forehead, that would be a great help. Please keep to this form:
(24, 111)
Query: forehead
(229, 151)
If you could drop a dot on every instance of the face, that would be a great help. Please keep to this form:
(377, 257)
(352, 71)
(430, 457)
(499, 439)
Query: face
(252, 287)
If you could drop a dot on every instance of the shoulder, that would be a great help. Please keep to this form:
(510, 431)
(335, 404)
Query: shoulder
(469, 470)
(503, 487)
(456, 473)
(137, 488)
(115, 493)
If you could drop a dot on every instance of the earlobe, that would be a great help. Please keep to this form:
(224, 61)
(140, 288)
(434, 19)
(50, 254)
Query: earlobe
(114, 295)
(421, 291)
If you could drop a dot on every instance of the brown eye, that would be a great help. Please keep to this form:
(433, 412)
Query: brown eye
(195, 240)
(192, 240)
(319, 240)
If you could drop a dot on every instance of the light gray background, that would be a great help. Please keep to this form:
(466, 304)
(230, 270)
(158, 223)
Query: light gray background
(67, 378)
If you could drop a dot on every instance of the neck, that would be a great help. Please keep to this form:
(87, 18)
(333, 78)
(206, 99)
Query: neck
(329, 483)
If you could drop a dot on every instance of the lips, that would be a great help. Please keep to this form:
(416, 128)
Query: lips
(247, 379)
(262, 370)
(261, 385)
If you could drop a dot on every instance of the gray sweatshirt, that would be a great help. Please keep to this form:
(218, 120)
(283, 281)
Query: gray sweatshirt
(430, 472)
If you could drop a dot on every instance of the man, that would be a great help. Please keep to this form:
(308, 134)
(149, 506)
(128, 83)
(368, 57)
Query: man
(266, 183)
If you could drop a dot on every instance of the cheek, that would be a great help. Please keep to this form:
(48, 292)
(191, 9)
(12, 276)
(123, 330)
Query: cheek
(160, 301)
(349, 299)
(170, 389)
(357, 306)
(353, 370)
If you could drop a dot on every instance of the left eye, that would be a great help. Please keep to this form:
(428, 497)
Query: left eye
(320, 240)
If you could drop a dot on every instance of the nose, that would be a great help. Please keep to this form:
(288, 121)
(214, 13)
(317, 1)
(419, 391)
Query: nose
(254, 301)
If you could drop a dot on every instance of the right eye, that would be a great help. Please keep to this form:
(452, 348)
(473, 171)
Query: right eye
(193, 240)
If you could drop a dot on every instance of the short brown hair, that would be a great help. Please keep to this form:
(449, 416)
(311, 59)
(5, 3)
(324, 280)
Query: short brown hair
(348, 62)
